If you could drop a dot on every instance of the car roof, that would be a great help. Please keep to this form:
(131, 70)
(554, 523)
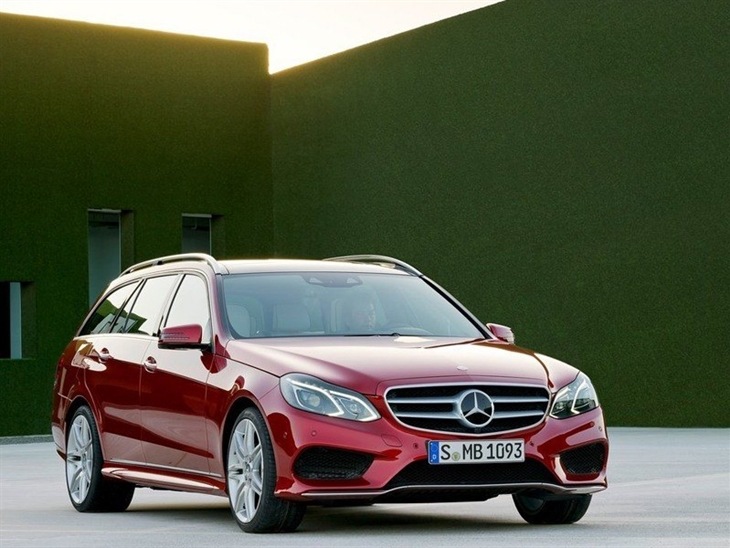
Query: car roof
(199, 261)
(302, 265)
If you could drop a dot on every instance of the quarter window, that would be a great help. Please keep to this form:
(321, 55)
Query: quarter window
(103, 317)
(123, 323)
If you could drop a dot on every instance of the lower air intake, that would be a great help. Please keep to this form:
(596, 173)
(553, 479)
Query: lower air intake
(322, 463)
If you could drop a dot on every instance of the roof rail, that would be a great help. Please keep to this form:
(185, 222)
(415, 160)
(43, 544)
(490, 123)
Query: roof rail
(203, 257)
(380, 260)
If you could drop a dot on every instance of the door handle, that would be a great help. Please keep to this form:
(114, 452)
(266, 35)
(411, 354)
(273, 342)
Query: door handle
(150, 364)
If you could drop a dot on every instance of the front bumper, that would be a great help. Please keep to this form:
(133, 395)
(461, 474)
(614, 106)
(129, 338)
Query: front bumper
(397, 469)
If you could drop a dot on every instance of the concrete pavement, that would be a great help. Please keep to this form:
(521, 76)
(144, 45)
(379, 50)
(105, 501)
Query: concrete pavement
(667, 487)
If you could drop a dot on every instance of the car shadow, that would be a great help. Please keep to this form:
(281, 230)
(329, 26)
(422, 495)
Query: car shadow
(384, 517)
(326, 519)
(206, 513)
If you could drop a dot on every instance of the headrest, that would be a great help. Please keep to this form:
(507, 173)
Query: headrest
(240, 319)
(290, 318)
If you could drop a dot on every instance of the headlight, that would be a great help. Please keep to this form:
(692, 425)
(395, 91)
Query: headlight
(316, 396)
(576, 398)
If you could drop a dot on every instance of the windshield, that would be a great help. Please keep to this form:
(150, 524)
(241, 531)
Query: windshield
(315, 304)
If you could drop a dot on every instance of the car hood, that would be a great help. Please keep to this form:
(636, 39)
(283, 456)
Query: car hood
(371, 364)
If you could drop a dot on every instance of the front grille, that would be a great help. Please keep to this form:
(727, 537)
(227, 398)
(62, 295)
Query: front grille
(323, 463)
(448, 408)
(421, 473)
(587, 459)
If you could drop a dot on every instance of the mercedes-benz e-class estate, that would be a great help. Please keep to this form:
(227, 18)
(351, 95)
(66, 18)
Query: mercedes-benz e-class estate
(286, 383)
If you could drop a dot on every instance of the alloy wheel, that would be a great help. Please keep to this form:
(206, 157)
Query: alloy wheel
(79, 459)
(245, 470)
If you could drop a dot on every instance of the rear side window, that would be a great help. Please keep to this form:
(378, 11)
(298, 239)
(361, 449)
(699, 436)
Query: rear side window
(103, 317)
(121, 324)
(147, 308)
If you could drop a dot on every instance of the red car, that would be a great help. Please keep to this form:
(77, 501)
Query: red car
(284, 383)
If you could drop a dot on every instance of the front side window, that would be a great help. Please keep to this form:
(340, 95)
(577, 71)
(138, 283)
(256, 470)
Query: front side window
(190, 305)
(335, 303)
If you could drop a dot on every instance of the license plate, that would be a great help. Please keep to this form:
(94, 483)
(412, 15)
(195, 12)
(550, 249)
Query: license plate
(461, 452)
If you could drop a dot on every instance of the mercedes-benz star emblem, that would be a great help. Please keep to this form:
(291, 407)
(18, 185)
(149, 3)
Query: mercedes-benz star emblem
(476, 408)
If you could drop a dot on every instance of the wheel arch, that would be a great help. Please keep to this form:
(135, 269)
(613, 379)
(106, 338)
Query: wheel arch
(235, 409)
(78, 401)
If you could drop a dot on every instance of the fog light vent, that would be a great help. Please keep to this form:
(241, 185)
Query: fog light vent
(587, 459)
(323, 463)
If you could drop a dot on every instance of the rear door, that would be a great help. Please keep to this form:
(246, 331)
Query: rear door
(117, 385)
(112, 373)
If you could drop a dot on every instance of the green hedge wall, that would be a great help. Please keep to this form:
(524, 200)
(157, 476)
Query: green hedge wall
(561, 167)
(104, 117)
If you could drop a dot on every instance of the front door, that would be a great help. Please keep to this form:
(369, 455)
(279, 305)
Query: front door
(173, 388)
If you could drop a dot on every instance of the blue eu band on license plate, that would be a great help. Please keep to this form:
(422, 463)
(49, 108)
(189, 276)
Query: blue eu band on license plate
(466, 452)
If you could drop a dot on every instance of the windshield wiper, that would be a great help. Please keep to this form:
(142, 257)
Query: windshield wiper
(395, 334)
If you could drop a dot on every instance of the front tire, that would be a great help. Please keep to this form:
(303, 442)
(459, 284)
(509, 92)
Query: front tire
(552, 511)
(88, 490)
(251, 478)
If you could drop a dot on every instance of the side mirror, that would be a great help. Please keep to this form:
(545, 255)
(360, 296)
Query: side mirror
(181, 336)
(502, 332)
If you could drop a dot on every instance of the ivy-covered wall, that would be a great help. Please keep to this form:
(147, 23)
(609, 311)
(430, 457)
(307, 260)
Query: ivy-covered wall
(561, 167)
(98, 117)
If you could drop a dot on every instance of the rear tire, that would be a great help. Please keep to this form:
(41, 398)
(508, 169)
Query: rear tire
(251, 479)
(553, 511)
(88, 490)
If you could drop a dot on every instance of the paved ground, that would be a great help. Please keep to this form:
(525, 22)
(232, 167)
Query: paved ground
(667, 488)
